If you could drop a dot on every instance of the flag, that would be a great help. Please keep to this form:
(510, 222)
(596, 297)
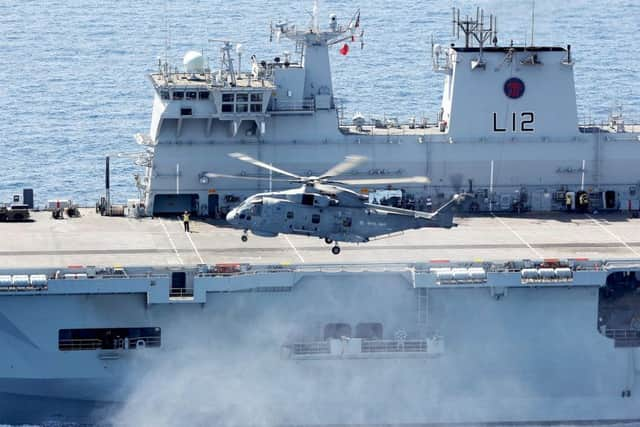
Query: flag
(357, 20)
(344, 49)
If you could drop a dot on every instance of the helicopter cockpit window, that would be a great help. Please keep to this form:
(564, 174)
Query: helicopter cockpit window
(256, 209)
(307, 199)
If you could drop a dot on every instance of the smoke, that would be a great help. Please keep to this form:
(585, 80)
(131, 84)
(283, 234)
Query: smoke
(223, 363)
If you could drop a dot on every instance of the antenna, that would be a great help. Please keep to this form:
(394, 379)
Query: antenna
(475, 29)
(533, 18)
(314, 18)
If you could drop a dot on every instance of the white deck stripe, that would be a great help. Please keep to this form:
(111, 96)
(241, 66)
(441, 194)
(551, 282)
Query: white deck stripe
(195, 249)
(538, 254)
(193, 245)
(612, 234)
(173, 245)
(293, 247)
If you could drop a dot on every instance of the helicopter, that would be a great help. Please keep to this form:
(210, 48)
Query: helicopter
(324, 207)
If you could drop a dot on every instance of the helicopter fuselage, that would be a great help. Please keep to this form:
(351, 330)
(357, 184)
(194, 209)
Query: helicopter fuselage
(268, 215)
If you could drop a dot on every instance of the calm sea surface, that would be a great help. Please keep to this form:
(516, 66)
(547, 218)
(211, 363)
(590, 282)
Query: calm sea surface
(73, 81)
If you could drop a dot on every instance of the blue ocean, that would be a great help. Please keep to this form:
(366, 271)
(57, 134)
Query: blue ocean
(74, 87)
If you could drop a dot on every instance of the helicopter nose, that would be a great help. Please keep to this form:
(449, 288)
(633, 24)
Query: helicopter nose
(231, 216)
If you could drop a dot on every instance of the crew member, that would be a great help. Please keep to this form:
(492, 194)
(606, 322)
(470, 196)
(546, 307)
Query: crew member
(567, 201)
(185, 220)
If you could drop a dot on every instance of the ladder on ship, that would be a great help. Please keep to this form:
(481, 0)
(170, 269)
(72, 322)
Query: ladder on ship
(423, 307)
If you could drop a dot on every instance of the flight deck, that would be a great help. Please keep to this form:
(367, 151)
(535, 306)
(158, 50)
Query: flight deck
(121, 241)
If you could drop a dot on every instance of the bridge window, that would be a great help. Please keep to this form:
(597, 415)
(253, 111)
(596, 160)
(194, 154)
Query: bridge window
(242, 108)
(178, 95)
(372, 331)
(337, 330)
(315, 218)
(242, 97)
(186, 111)
(203, 95)
(227, 97)
(227, 108)
(256, 97)
(164, 94)
(108, 338)
(256, 108)
(191, 95)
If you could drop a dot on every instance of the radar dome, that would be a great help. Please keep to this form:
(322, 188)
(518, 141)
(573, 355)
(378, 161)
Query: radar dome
(193, 62)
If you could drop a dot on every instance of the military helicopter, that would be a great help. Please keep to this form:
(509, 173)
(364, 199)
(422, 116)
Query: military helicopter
(324, 208)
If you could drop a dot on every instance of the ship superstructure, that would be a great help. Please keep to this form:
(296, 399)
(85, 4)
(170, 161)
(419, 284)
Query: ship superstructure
(507, 131)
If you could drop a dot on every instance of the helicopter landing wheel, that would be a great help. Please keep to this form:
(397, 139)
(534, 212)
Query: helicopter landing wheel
(335, 250)
(244, 237)
(328, 241)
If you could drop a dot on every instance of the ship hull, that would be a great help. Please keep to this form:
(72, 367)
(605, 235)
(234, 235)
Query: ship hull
(467, 354)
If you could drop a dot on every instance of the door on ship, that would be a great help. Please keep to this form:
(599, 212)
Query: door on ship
(212, 204)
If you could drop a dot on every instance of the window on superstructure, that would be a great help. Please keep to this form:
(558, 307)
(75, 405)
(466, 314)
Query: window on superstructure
(372, 331)
(256, 102)
(191, 95)
(178, 95)
(228, 100)
(337, 330)
(164, 94)
(242, 100)
(108, 338)
(203, 95)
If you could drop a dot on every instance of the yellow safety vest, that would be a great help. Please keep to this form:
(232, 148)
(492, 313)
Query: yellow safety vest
(185, 217)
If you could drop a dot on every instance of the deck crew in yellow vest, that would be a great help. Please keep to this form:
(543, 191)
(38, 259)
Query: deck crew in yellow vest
(185, 220)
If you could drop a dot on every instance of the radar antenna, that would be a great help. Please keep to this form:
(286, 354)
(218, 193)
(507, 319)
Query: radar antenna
(475, 29)
(227, 73)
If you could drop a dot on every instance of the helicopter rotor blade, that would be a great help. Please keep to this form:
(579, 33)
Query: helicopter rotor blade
(349, 163)
(383, 181)
(253, 178)
(263, 165)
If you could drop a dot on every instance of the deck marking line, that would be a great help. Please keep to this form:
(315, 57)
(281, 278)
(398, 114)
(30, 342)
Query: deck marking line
(173, 245)
(195, 249)
(193, 245)
(612, 234)
(293, 247)
(538, 254)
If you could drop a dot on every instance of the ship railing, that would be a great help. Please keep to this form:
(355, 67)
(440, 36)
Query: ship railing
(73, 344)
(394, 346)
(622, 334)
(307, 104)
(366, 346)
(181, 293)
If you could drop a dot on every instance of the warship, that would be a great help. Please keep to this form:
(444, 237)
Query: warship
(117, 315)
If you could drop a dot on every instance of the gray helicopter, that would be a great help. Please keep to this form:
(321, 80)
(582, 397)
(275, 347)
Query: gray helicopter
(322, 207)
